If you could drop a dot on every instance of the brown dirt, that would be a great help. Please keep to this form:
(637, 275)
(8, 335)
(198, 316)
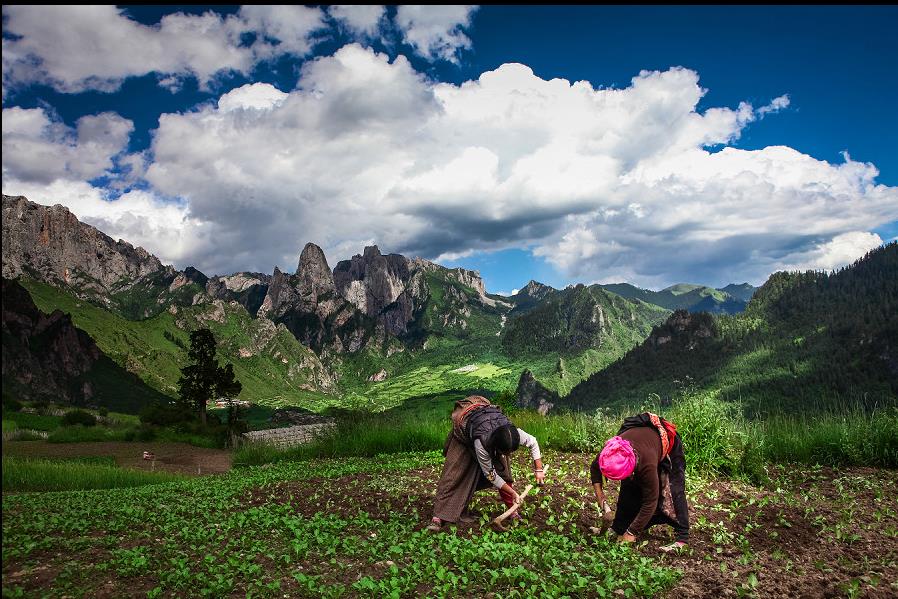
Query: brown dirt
(823, 533)
(170, 457)
(811, 533)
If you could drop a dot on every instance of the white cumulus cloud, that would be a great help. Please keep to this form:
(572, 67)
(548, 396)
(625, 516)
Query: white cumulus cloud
(609, 185)
(435, 32)
(363, 20)
(40, 148)
(76, 48)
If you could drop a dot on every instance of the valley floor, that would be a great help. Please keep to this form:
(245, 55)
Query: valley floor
(354, 527)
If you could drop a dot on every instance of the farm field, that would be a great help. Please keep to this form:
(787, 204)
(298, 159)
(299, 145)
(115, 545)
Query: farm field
(354, 527)
(171, 457)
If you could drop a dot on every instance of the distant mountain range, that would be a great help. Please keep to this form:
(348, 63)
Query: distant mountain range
(807, 340)
(374, 330)
(376, 326)
(731, 299)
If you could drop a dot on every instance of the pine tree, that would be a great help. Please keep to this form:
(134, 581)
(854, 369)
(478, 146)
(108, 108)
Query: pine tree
(203, 379)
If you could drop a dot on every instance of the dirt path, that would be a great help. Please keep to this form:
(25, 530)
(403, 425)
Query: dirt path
(170, 457)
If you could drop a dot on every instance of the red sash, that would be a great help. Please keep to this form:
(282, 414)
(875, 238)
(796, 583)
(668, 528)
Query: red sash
(667, 431)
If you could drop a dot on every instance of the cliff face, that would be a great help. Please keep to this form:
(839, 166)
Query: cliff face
(51, 242)
(395, 291)
(46, 357)
(308, 304)
(532, 395)
(246, 288)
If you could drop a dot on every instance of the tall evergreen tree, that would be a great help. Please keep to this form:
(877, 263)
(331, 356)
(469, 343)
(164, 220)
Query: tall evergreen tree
(203, 379)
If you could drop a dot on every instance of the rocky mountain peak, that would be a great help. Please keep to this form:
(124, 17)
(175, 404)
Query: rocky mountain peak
(372, 281)
(315, 276)
(536, 290)
(50, 243)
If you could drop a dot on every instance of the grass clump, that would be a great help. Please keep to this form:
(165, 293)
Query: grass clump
(72, 475)
(850, 438)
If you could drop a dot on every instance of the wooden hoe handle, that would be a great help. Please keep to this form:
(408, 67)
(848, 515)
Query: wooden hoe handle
(514, 508)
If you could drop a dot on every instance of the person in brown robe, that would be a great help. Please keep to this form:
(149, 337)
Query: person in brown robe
(476, 453)
(654, 492)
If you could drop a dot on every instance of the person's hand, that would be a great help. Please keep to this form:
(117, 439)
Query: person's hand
(626, 538)
(509, 490)
(540, 477)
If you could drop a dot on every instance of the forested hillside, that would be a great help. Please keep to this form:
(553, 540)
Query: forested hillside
(806, 340)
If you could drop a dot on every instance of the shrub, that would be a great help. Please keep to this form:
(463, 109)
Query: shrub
(165, 414)
(11, 404)
(716, 438)
(79, 417)
(144, 432)
(81, 434)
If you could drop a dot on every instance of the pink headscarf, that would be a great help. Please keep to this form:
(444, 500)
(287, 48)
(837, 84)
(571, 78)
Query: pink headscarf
(617, 459)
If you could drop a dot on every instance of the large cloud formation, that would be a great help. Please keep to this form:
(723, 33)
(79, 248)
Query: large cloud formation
(52, 49)
(606, 184)
(79, 48)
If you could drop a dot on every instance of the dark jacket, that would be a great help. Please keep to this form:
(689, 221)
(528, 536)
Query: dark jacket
(482, 423)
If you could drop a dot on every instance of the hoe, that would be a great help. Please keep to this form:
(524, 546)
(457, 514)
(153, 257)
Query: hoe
(498, 520)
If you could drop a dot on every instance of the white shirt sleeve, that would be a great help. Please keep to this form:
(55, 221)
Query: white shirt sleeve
(529, 441)
(486, 465)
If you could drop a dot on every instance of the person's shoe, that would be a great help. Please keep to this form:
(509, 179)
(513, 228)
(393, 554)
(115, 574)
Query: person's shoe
(467, 518)
(676, 546)
(435, 525)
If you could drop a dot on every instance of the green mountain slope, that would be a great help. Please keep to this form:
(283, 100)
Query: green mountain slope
(807, 340)
(274, 368)
(46, 358)
(579, 330)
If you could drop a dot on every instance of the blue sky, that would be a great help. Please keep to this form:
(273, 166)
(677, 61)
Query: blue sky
(711, 148)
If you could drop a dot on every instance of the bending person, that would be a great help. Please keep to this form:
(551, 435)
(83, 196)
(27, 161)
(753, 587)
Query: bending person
(647, 457)
(476, 453)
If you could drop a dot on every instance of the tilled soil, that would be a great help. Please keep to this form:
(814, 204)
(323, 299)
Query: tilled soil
(810, 533)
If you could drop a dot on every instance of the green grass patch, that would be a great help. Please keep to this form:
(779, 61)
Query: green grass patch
(35, 422)
(74, 475)
(853, 438)
(83, 434)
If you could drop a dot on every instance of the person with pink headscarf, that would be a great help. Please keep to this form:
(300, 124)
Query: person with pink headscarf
(647, 457)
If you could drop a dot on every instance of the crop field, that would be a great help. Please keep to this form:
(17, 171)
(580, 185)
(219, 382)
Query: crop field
(355, 527)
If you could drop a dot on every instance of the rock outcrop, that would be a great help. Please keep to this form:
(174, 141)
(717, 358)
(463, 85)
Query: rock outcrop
(533, 395)
(308, 304)
(394, 291)
(372, 281)
(683, 329)
(46, 357)
(246, 288)
(51, 244)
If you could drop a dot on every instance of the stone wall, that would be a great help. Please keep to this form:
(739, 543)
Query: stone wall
(291, 435)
